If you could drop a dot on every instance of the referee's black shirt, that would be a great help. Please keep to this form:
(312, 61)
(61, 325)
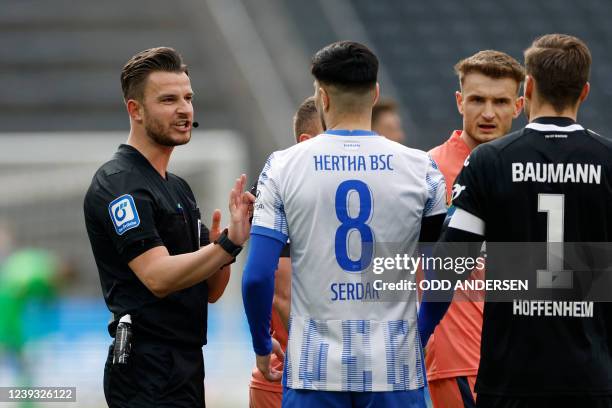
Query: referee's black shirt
(129, 209)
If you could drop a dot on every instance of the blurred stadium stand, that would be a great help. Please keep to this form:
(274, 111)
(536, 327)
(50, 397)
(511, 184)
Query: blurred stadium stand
(249, 60)
(61, 62)
(418, 44)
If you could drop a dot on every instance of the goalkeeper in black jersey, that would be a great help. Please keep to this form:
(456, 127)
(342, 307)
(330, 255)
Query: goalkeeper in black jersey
(550, 182)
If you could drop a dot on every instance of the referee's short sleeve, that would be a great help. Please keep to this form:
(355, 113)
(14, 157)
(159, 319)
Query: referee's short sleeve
(125, 211)
(469, 190)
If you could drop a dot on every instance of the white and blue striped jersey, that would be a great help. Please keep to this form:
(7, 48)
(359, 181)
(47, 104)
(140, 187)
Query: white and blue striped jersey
(336, 196)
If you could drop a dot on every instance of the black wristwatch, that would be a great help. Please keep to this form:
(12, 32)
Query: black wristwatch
(228, 246)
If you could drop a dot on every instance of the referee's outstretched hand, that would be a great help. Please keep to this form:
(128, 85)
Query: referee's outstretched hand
(240, 202)
(263, 363)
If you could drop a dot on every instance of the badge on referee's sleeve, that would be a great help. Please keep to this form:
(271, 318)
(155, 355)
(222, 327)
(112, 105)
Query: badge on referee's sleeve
(123, 213)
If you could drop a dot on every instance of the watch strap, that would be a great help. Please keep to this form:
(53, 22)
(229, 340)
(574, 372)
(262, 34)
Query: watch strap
(228, 246)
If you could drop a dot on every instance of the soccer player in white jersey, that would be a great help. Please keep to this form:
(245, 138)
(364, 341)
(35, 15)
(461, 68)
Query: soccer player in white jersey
(336, 197)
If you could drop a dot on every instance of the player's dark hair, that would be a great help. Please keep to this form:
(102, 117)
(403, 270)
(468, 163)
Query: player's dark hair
(347, 65)
(305, 117)
(381, 107)
(136, 71)
(491, 63)
(560, 65)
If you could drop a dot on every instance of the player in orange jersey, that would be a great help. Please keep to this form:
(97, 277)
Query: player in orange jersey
(263, 393)
(488, 101)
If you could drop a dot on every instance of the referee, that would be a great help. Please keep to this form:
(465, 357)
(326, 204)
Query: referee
(157, 267)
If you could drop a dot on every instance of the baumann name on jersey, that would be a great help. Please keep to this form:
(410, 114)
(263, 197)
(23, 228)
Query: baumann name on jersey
(556, 172)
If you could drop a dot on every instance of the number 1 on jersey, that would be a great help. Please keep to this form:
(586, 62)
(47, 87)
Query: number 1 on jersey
(554, 276)
(358, 223)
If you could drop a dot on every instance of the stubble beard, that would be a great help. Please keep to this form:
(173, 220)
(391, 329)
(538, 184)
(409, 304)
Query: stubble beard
(157, 133)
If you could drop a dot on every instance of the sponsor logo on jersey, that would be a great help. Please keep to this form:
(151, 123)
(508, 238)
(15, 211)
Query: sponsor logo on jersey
(123, 213)
(352, 146)
(258, 205)
(457, 189)
(466, 162)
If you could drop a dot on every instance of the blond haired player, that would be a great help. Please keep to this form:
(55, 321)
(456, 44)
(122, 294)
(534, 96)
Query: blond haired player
(488, 101)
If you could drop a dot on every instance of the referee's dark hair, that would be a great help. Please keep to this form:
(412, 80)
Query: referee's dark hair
(347, 65)
(137, 70)
(560, 65)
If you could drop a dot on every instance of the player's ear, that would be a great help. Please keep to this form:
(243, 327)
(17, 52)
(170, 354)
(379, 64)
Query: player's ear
(459, 99)
(518, 106)
(376, 94)
(303, 137)
(585, 92)
(134, 110)
(528, 88)
(324, 99)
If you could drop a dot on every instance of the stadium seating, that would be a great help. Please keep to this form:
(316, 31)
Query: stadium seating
(419, 42)
(74, 50)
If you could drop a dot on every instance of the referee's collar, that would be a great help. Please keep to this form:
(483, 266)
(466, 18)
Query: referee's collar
(346, 132)
(126, 150)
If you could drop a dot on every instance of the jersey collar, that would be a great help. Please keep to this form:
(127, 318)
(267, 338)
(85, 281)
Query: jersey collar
(346, 132)
(127, 150)
(456, 140)
(141, 161)
(555, 124)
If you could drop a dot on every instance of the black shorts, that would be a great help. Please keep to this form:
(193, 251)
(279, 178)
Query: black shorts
(490, 401)
(155, 376)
